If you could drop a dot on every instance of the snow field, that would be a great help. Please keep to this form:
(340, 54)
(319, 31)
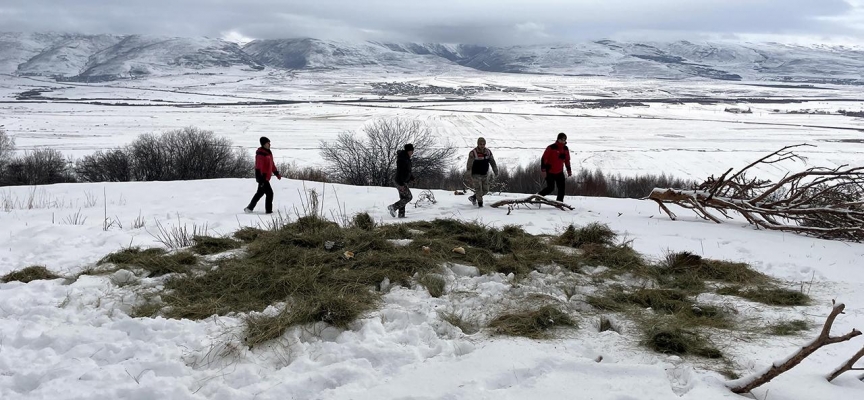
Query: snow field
(73, 340)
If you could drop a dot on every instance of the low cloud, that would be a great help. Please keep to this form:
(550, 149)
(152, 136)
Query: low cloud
(498, 22)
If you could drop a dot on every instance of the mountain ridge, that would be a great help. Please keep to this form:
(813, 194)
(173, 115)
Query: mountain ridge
(102, 57)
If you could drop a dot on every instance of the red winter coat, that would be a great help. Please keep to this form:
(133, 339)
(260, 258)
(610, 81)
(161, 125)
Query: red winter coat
(264, 165)
(555, 158)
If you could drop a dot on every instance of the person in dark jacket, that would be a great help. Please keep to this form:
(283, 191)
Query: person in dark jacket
(479, 161)
(265, 167)
(402, 179)
(555, 159)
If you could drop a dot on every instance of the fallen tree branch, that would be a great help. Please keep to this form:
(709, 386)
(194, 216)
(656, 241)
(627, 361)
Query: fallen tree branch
(823, 202)
(532, 200)
(751, 382)
(848, 366)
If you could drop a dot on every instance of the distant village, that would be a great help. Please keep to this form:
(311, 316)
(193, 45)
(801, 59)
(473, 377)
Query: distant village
(410, 89)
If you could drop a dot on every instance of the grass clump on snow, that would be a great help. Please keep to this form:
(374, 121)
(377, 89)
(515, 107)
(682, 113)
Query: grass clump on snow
(328, 305)
(788, 328)
(363, 221)
(672, 302)
(206, 245)
(688, 271)
(467, 325)
(533, 324)
(678, 340)
(321, 272)
(772, 296)
(316, 271)
(29, 274)
(620, 259)
(247, 234)
(433, 283)
(593, 233)
(156, 261)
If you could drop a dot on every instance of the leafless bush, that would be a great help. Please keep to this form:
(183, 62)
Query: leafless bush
(371, 160)
(37, 167)
(528, 179)
(313, 174)
(186, 154)
(7, 149)
(111, 166)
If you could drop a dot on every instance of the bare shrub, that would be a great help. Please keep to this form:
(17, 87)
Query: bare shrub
(312, 174)
(114, 165)
(371, 160)
(149, 161)
(528, 179)
(7, 149)
(178, 236)
(187, 154)
(37, 167)
(198, 154)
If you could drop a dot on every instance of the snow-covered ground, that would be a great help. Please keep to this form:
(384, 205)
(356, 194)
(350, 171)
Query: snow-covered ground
(690, 139)
(74, 340)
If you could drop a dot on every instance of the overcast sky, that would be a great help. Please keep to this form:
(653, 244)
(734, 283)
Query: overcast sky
(493, 22)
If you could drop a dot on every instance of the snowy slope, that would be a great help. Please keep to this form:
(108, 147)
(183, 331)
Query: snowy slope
(75, 340)
(317, 54)
(68, 56)
(147, 55)
(17, 48)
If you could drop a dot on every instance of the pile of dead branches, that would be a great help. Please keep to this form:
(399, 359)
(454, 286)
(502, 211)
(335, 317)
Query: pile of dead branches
(823, 202)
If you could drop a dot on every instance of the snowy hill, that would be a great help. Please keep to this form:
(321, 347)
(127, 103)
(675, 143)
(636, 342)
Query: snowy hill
(75, 339)
(143, 55)
(102, 57)
(107, 57)
(68, 55)
(314, 54)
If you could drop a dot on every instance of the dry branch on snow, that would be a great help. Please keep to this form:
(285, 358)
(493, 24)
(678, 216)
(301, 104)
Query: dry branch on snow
(848, 366)
(747, 384)
(529, 201)
(823, 202)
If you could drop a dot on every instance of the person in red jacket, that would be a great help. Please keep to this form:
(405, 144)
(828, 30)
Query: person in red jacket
(265, 167)
(555, 159)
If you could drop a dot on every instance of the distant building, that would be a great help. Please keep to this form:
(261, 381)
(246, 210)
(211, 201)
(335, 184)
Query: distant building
(738, 110)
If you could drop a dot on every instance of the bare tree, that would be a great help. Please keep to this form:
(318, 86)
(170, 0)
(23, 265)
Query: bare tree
(7, 149)
(371, 160)
(823, 202)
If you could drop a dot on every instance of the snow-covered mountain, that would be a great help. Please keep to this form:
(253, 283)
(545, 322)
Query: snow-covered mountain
(102, 57)
(318, 54)
(106, 57)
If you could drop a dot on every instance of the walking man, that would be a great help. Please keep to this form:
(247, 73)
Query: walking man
(555, 158)
(479, 161)
(403, 177)
(265, 167)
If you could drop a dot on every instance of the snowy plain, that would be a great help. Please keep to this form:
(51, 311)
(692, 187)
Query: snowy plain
(74, 340)
(674, 132)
